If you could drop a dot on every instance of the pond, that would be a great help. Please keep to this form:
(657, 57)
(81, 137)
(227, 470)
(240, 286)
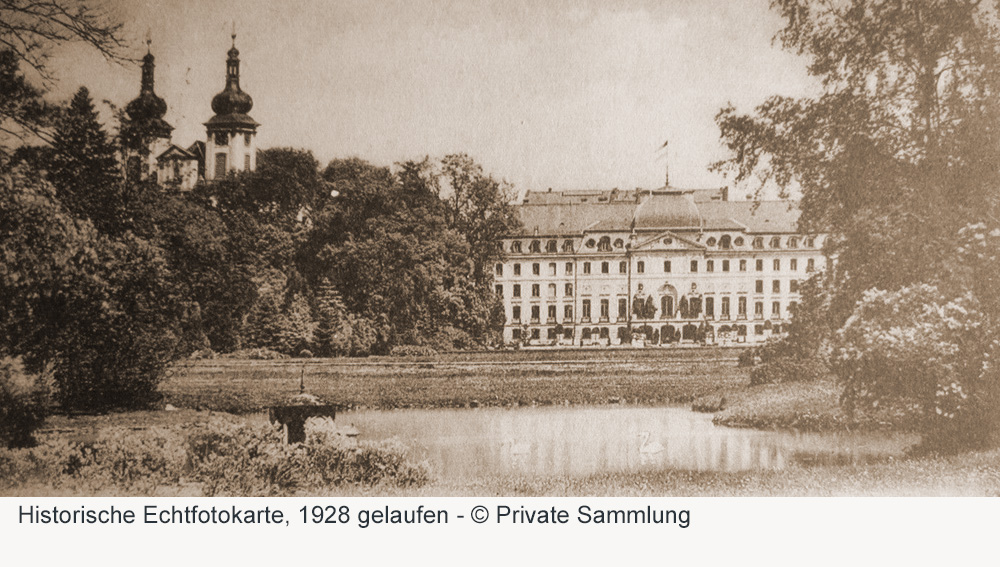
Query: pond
(582, 441)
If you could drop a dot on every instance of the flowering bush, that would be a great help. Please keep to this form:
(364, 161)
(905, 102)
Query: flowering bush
(921, 348)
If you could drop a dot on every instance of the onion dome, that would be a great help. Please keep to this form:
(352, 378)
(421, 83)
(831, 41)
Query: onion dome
(232, 104)
(148, 108)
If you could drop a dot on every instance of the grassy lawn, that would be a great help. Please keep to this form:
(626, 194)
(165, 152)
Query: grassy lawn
(524, 378)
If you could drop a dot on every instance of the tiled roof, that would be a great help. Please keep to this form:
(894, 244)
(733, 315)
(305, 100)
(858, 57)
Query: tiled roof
(567, 213)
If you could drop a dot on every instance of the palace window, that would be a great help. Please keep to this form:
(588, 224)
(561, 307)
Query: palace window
(793, 265)
(760, 265)
(585, 306)
(535, 333)
(622, 267)
(604, 244)
(666, 266)
(516, 313)
(710, 307)
(759, 286)
(777, 265)
(586, 267)
(710, 265)
(536, 290)
(758, 309)
(499, 269)
(711, 241)
(515, 246)
(810, 265)
(725, 307)
(552, 290)
(551, 247)
(622, 309)
(725, 242)
(743, 265)
(569, 268)
(776, 286)
(738, 241)
(552, 313)
(640, 267)
(605, 310)
(619, 243)
(793, 242)
(775, 242)
(535, 247)
(499, 290)
(568, 291)
(758, 243)
(517, 269)
(536, 313)
(517, 290)
(725, 265)
(793, 286)
(741, 307)
(604, 267)
(776, 309)
(552, 268)
(667, 306)
(536, 269)
(694, 266)
(568, 313)
(567, 246)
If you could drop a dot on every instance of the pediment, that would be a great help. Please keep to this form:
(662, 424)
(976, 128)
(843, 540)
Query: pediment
(669, 240)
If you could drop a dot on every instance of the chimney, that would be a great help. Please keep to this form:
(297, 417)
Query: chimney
(666, 160)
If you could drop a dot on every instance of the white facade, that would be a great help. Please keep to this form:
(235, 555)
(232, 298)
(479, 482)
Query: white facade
(728, 284)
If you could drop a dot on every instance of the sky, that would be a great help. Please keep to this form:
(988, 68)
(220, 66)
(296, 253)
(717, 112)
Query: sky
(544, 94)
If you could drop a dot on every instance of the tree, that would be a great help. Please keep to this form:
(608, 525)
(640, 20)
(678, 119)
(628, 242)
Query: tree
(28, 30)
(84, 167)
(898, 151)
(101, 311)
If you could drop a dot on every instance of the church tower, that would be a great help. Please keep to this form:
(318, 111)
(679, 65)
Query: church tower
(148, 135)
(232, 135)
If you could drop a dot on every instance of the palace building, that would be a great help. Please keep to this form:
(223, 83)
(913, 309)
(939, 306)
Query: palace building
(231, 134)
(652, 267)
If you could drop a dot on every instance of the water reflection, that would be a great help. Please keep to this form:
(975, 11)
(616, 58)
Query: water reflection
(581, 441)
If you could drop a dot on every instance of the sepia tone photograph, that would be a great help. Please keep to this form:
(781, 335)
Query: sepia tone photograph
(500, 248)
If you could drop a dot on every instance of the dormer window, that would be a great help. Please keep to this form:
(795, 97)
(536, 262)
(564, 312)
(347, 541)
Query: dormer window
(551, 246)
(567, 246)
(591, 243)
(619, 243)
(793, 242)
(775, 242)
(758, 243)
(711, 241)
(738, 241)
(604, 245)
(535, 247)
(725, 242)
(515, 247)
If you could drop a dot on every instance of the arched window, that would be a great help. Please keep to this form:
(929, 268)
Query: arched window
(810, 242)
(551, 246)
(604, 245)
(667, 306)
(758, 243)
(567, 246)
(775, 242)
(793, 242)
(535, 247)
(515, 247)
(619, 243)
(725, 242)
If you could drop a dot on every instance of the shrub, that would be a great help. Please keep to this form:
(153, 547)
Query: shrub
(918, 347)
(24, 403)
(412, 350)
(747, 358)
(203, 354)
(257, 354)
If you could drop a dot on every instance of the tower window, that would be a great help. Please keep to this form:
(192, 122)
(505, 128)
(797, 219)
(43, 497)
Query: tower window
(246, 139)
(220, 165)
(221, 139)
(246, 162)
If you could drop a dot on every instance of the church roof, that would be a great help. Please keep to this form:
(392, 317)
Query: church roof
(575, 212)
